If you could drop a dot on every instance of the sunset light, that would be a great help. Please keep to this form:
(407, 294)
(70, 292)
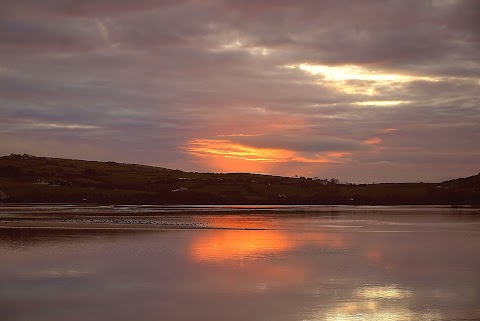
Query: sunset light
(382, 292)
(373, 141)
(165, 84)
(226, 160)
(237, 45)
(239, 244)
(226, 155)
(381, 103)
(247, 244)
(355, 79)
(353, 72)
(228, 149)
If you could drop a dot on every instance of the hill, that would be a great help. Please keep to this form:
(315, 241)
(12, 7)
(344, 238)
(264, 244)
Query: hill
(461, 190)
(30, 179)
(463, 183)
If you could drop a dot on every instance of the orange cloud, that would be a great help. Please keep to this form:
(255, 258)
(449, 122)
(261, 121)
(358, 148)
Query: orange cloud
(339, 154)
(228, 149)
(373, 141)
(225, 155)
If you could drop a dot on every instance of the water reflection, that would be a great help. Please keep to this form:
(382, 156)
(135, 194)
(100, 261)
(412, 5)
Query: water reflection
(374, 303)
(375, 311)
(382, 292)
(325, 262)
(367, 311)
(57, 273)
(282, 269)
(232, 244)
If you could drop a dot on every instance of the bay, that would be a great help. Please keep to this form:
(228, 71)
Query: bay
(241, 263)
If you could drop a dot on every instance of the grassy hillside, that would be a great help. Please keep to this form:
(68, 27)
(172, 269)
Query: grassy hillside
(25, 178)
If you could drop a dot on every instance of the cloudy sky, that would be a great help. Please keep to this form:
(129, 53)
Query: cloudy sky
(364, 91)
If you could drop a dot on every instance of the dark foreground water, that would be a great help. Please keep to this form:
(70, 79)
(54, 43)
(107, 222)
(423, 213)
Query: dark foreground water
(318, 264)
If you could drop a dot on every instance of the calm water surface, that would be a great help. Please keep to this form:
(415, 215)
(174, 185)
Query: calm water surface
(320, 264)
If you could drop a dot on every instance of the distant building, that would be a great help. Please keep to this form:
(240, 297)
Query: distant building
(41, 182)
(181, 189)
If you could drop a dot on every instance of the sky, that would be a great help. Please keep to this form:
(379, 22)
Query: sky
(363, 91)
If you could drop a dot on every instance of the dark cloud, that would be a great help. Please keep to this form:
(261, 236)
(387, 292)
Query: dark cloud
(46, 35)
(384, 33)
(86, 8)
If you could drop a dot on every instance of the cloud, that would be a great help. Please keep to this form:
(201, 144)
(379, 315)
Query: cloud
(300, 143)
(47, 35)
(373, 141)
(151, 76)
(87, 8)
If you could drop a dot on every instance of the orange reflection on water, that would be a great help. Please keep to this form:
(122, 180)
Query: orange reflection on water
(238, 222)
(284, 273)
(260, 276)
(239, 243)
(376, 256)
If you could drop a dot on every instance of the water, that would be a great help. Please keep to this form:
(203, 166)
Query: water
(312, 263)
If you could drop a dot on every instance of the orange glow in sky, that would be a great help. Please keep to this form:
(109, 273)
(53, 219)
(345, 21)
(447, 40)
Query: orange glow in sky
(227, 156)
(228, 149)
(373, 141)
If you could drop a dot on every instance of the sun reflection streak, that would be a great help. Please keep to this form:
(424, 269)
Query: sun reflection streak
(360, 313)
(370, 305)
(383, 292)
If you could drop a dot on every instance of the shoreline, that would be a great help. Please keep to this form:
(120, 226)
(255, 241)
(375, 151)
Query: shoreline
(55, 223)
(87, 225)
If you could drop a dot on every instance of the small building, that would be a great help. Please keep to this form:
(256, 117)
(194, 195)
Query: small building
(181, 189)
